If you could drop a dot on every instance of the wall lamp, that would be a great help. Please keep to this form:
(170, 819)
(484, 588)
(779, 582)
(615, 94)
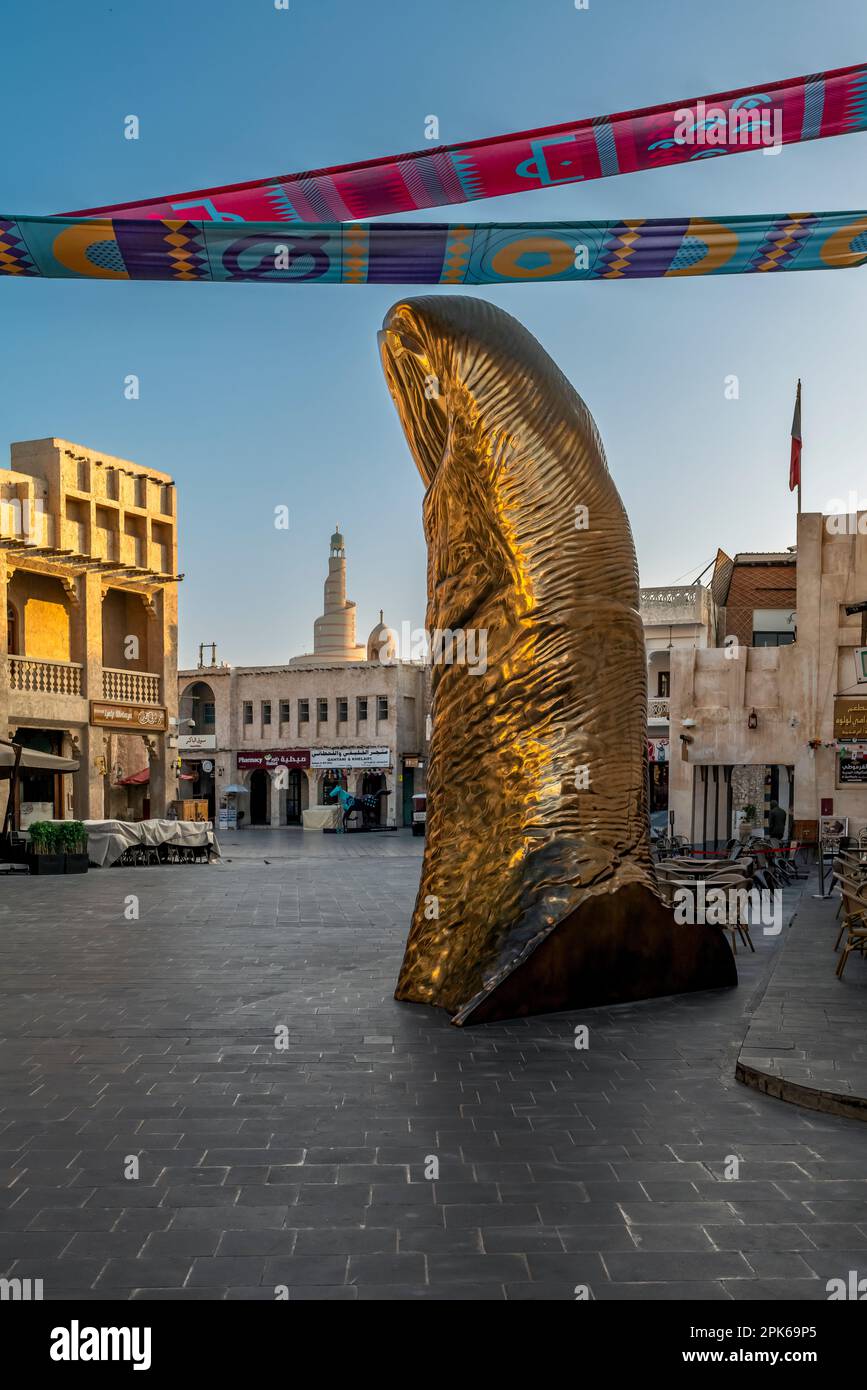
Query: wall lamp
(753, 720)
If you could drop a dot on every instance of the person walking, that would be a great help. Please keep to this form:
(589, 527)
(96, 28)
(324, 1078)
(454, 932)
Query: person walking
(777, 821)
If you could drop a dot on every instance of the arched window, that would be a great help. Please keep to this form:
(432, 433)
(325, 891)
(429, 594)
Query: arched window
(197, 703)
(12, 631)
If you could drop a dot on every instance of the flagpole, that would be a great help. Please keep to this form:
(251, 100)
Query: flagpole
(799, 462)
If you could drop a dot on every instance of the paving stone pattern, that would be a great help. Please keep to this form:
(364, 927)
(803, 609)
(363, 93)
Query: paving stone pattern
(807, 1040)
(306, 1167)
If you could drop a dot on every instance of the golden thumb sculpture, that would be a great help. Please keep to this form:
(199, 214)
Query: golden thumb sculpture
(537, 890)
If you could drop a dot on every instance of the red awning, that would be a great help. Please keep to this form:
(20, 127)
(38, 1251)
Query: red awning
(137, 779)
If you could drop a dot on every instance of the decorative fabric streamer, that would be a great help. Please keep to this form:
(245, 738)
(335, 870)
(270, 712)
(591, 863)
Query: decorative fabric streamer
(782, 113)
(430, 254)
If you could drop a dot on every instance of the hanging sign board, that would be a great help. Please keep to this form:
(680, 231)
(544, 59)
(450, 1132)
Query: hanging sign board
(274, 757)
(852, 770)
(110, 714)
(850, 719)
(350, 757)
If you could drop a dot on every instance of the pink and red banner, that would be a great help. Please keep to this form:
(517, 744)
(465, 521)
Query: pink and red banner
(780, 113)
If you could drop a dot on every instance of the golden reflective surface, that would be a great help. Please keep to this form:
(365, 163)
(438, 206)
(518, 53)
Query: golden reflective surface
(537, 771)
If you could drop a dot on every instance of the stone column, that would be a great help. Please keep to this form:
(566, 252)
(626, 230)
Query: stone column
(681, 772)
(163, 657)
(163, 777)
(278, 796)
(86, 631)
(89, 782)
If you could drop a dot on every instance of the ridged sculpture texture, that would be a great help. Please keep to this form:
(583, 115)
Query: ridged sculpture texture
(537, 890)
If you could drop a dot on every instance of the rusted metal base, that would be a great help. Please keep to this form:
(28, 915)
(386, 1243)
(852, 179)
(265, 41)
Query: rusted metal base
(613, 949)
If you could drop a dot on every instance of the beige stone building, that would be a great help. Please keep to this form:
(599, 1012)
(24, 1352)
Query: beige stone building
(88, 569)
(675, 618)
(344, 713)
(778, 708)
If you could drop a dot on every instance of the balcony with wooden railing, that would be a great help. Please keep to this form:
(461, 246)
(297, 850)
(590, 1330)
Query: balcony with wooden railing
(658, 707)
(130, 687)
(32, 674)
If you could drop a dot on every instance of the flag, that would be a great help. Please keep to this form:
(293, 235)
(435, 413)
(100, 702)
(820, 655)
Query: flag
(795, 459)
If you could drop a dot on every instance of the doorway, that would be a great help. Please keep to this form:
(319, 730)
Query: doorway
(408, 789)
(293, 797)
(658, 787)
(38, 794)
(371, 783)
(259, 788)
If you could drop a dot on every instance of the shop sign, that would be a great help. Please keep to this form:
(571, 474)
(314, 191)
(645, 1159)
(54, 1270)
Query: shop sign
(833, 830)
(852, 770)
(850, 719)
(197, 743)
(350, 757)
(145, 719)
(274, 757)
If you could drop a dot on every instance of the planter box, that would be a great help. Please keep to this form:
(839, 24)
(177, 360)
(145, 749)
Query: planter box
(77, 863)
(47, 863)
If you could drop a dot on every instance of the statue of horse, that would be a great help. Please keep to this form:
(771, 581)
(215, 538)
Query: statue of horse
(367, 806)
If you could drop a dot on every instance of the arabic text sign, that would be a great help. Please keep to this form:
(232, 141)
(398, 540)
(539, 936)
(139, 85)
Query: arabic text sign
(850, 719)
(350, 757)
(191, 743)
(145, 719)
(274, 757)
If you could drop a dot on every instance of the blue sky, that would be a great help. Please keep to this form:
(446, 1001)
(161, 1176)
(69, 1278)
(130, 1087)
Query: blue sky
(253, 396)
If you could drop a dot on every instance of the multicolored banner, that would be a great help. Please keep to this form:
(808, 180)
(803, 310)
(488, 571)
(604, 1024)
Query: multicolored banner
(776, 114)
(413, 253)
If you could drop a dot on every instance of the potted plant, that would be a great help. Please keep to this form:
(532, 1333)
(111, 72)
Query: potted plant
(73, 838)
(45, 851)
(749, 820)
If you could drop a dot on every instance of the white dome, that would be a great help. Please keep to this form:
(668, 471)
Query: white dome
(382, 643)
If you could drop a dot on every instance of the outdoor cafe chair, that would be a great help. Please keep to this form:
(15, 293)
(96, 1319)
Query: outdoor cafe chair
(716, 861)
(671, 844)
(853, 902)
(855, 926)
(735, 923)
(734, 848)
(844, 868)
(851, 863)
(792, 860)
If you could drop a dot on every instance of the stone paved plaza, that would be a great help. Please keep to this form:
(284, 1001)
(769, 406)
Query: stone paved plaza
(304, 1167)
